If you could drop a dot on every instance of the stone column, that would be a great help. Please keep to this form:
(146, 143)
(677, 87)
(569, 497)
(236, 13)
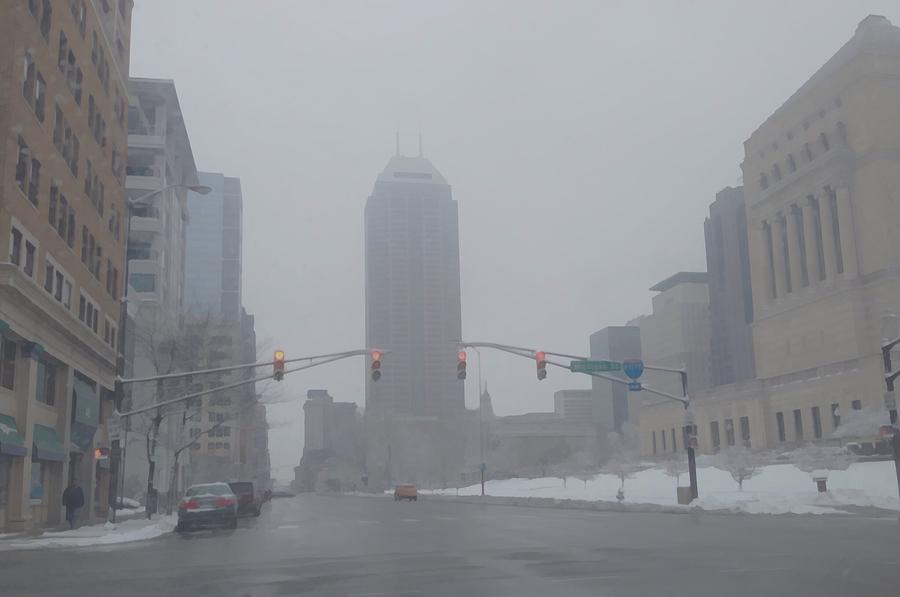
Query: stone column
(809, 237)
(848, 236)
(827, 236)
(778, 258)
(793, 238)
(19, 508)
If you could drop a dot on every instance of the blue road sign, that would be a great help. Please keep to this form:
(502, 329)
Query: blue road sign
(633, 368)
(634, 386)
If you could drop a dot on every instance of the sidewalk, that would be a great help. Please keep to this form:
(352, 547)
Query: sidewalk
(136, 528)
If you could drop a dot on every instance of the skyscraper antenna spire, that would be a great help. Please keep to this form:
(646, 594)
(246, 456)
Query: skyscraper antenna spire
(420, 143)
(398, 142)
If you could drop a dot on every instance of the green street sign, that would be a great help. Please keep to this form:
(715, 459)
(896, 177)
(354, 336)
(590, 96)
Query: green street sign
(594, 366)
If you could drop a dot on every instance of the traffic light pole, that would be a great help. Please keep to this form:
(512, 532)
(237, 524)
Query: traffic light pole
(683, 399)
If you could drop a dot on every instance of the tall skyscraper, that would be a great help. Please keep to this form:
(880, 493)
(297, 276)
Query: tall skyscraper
(730, 296)
(412, 300)
(213, 260)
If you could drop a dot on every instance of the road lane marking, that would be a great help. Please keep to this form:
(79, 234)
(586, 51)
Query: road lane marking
(289, 526)
(573, 578)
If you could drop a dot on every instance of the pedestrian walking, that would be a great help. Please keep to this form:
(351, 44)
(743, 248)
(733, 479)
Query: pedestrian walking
(73, 500)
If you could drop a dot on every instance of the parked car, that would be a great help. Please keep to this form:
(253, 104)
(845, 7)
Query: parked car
(208, 505)
(249, 502)
(406, 492)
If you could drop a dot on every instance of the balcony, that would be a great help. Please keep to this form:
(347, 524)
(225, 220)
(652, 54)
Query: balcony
(142, 226)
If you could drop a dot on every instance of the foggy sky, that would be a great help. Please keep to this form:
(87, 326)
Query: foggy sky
(584, 142)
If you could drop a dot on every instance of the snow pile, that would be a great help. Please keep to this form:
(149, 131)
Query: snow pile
(776, 489)
(99, 534)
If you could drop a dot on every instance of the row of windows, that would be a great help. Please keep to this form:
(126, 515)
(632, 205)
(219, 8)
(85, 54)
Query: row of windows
(23, 249)
(807, 154)
(816, 416)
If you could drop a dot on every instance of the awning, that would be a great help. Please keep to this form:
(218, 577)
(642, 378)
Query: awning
(47, 445)
(11, 442)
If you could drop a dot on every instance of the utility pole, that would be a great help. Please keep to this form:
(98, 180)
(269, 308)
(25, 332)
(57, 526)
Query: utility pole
(890, 402)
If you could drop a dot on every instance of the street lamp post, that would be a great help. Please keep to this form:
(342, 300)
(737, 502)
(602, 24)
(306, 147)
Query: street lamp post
(123, 303)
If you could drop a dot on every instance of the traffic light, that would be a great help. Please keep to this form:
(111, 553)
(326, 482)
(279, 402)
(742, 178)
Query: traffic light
(541, 359)
(376, 365)
(278, 365)
(461, 364)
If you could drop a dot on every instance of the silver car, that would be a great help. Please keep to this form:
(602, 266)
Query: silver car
(208, 505)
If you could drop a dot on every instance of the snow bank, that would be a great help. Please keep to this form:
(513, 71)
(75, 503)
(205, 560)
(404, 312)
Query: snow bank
(778, 489)
(100, 534)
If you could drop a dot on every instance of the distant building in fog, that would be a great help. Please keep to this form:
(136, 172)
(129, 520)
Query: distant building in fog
(214, 241)
(676, 334)
(730, 293)
(413, 310)
(332, 445)
(612, 404)
(574, 404)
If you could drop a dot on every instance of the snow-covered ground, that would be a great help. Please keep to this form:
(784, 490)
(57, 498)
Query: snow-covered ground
(778, 489)
(100, 534)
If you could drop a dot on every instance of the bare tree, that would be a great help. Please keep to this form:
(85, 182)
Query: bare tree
(624, 459)
(741, 462)
(675, 466)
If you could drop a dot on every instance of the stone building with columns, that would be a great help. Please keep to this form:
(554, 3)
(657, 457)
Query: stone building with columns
(822, 191)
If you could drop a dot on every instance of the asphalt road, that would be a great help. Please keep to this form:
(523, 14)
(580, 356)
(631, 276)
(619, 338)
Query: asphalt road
(355, 546)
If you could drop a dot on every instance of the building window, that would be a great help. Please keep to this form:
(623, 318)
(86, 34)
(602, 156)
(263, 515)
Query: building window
(823, 138)
(745, 431)
(662, 434)
(30, 254)
(776, 172)
(88, 313)
(763, 181)
(23, 162)
(856, 405)
(653, 434)
(15, 246)
(807, 152)
(791, 163)
(226, 431)
(798, 425)
(674, 445)
(714, 435)
(729, 432)
(7, 364)
(785, 254)
(29, 78)
(212, 417)
(46, 18)
(226, 445)
(835, 415)
(817, 422)
(779, 420)
(143, 282)
(46, 382)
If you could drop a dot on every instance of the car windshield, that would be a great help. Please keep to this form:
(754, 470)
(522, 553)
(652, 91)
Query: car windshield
(212, 489)
(449, 297)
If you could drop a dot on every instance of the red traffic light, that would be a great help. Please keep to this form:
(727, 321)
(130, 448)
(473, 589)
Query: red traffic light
(541, 358)
(375, 367)
(461, 364)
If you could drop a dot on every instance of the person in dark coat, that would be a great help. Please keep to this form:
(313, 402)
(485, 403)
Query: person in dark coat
(73, 500)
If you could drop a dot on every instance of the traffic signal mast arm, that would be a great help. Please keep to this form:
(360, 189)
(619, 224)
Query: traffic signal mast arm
(320, 360)
(529, 353)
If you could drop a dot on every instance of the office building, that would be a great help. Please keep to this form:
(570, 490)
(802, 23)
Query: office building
(730, 290)
(160, 165)
(213, 262)
(613, 406)
(413, 310)
(63, 84)
(574, 405)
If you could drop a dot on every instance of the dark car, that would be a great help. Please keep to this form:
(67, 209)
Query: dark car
(249, 503)
(208, 505)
